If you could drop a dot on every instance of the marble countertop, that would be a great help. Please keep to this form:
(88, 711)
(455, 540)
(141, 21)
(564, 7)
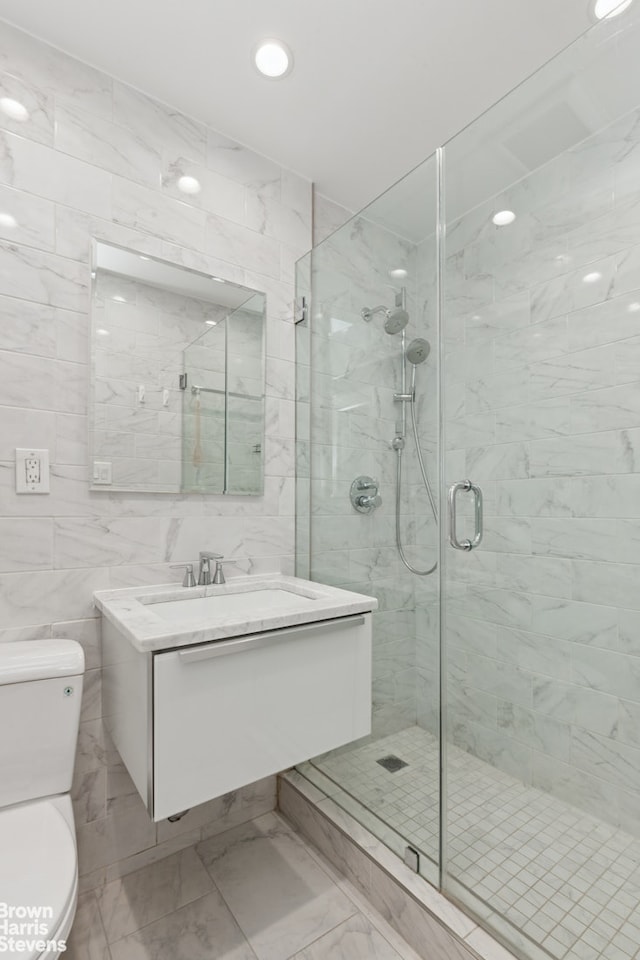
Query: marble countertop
(132, 610)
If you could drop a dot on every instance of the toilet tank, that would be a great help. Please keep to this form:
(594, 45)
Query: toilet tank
(40, 696)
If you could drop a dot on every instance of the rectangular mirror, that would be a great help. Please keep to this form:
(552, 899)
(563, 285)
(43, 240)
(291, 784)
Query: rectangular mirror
(177, 378)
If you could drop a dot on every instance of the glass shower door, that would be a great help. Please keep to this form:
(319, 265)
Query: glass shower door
(541, 410)
(372, 311)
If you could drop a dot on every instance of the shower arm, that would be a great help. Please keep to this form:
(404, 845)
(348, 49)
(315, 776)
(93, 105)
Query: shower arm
(368, 312)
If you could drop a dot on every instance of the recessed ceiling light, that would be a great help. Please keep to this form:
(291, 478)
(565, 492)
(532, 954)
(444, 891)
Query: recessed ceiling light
(14, 109)
(119, 299)
(606, 9)
(6, 220)
(189, 185)
(211, 323)
(503, 218)
(633, 307)
(102, 332)
(273, 59)
(398, 273)
(218, 279)
(591, 277)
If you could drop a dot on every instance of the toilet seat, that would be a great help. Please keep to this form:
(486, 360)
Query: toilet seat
(38, 866)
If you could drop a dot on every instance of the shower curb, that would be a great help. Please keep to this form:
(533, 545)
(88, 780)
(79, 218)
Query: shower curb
(433, 926)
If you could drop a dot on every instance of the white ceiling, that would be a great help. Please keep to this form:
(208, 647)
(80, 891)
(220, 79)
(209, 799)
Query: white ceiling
(377, 84)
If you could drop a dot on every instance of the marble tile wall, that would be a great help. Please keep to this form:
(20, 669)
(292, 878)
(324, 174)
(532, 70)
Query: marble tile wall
(99, 159)
(328, 216)
(543, 380)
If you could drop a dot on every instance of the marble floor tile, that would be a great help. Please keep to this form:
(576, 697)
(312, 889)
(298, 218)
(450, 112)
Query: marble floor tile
(278, 893)
(202, 930)
(132, 902)
(288, 898)
(87, 940)
(355, 939)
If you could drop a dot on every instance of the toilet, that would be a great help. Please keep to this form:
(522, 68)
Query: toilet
(40, 696)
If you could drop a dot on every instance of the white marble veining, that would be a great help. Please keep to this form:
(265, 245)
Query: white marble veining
(134, 611)
(143, 209)
(41, 170)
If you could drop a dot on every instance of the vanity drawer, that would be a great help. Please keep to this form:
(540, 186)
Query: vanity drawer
(230, 712)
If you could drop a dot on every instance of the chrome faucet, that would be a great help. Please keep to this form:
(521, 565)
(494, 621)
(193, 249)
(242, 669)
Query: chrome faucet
(204, 573)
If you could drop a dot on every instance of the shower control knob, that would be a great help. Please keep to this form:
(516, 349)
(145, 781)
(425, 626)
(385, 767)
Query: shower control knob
(369, 501)
(364, 494)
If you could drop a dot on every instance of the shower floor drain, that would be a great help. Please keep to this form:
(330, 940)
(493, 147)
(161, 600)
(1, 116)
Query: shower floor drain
(392, 763)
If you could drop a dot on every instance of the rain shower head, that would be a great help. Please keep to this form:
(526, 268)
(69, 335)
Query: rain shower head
(418, 351)
(395, 319)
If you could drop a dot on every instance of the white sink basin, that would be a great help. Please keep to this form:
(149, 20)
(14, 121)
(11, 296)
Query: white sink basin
(248, 602)
(166, 616)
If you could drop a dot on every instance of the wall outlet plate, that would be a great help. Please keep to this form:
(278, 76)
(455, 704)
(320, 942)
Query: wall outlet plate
(32, 470)
(102, 472)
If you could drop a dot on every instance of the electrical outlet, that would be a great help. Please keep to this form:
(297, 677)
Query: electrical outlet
(32, 471)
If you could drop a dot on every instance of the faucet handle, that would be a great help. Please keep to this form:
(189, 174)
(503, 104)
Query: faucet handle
(189, 579)
(369, 502)
(218, 576)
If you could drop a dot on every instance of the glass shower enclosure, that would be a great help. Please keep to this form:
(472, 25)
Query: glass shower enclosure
(493, 298)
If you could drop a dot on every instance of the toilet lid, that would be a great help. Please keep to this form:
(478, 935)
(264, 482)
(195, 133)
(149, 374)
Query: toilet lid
(37, 865)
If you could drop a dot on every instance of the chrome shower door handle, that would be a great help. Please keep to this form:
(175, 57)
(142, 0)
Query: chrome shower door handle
(454, 490)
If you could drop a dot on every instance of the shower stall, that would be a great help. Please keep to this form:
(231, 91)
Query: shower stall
(468, 442)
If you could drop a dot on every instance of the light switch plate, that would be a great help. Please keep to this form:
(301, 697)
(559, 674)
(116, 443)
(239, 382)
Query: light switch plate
(32, 470)
(102, 471)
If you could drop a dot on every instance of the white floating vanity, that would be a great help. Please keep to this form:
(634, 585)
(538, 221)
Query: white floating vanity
(207, 689)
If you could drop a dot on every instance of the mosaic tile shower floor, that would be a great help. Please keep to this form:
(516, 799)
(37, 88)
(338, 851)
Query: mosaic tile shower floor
(568, 880)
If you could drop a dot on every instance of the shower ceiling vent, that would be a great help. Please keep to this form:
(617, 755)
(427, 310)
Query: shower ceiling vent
(548, 135)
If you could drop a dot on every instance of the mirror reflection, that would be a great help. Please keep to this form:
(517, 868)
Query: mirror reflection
(177, 392)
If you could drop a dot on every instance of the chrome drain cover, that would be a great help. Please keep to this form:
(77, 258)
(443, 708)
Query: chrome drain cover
(392, 763)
